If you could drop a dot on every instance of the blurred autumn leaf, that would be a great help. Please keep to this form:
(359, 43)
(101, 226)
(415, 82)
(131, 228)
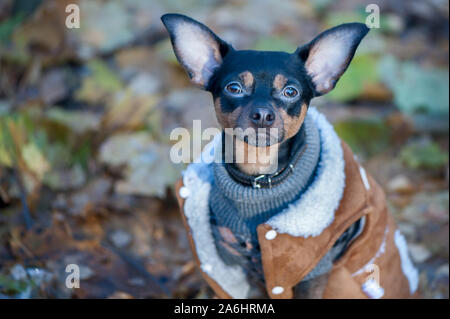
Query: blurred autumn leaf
(416, 89)
(148, 169)
(99, 85)
(424, 155)
(361, 76)
(368, 136)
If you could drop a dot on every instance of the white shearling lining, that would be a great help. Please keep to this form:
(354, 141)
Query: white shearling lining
(408, 268)
(364, 178)
(314, 211)
(197, 178)
(308, 216)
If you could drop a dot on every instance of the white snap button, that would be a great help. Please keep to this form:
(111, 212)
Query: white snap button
(271, 234)
(207, 267)
(184, 192)
(277, 290)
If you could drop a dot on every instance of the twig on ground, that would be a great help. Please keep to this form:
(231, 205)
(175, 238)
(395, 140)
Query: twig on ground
(23, 198)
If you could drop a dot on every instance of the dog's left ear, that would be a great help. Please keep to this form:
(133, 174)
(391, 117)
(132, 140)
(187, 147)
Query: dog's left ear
(328, 55)
(197, 48)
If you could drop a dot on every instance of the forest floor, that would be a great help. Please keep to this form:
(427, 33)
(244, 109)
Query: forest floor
(85, 118)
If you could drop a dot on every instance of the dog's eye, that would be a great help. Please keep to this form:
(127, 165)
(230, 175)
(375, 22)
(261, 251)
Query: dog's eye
(290, 92)
(234, 88)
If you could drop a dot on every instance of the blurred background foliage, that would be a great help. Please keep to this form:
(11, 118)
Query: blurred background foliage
(85, 117)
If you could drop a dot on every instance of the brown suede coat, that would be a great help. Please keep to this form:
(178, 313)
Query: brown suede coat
(287, 259)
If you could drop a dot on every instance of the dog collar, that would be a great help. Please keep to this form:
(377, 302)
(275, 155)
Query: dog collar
(266, 180)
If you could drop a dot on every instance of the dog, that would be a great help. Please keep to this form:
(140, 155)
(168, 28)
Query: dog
(305, 220)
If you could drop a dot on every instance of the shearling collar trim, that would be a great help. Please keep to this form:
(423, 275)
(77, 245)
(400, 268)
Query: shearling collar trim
(197, 184)
(308, 216)
(314, 210)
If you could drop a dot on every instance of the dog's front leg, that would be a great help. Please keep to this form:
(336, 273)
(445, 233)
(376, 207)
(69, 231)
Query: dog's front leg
(313, 288)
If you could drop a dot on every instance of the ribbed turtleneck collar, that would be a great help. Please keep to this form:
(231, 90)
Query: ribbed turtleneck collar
(272, 198)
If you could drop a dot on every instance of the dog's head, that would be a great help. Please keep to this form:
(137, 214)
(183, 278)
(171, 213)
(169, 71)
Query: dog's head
(260, 89)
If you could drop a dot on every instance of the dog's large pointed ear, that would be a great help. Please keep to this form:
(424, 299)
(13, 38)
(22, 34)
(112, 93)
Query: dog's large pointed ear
(197, 48)
(328, 55)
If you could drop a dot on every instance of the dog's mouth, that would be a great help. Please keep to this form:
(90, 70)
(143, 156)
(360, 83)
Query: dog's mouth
(260, 137)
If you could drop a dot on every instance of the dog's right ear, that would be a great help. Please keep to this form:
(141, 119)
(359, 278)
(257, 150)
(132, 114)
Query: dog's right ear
(196, 47)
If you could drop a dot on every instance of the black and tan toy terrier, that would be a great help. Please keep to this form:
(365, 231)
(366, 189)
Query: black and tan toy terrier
(260, 89)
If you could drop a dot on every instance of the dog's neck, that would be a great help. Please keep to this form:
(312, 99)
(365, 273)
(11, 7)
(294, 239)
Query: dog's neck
(266, 157)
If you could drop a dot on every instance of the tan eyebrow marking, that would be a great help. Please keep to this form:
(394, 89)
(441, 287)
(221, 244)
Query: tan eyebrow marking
(247, 78)
(279, 81)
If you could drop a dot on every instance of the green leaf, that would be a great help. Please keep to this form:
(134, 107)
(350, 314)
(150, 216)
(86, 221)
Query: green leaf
(427, 155)
(8, 26)
(101, 83)
(11, 286)
(364, 136)
(361, 72)
(416, 89)
(8, 148)
(77, 121)
(6, 156)
(165, 51)
(35, 160)
(55, 154)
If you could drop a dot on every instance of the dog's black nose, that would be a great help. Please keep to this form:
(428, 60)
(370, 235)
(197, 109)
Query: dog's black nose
(262, 117)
